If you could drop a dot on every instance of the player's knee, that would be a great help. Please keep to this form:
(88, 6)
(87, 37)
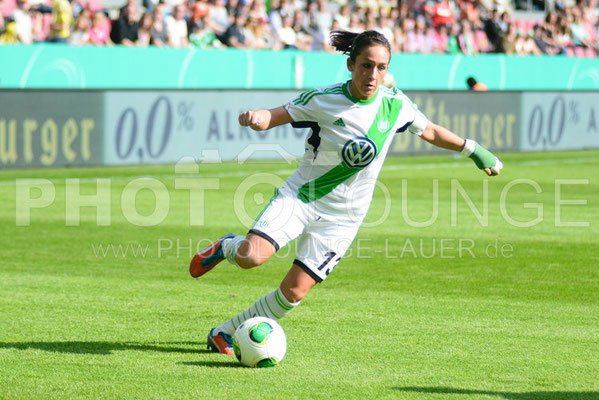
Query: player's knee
(250, 254)
(293, 294)
(249, 261)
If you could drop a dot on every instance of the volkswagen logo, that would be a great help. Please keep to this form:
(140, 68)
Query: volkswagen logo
(359, 152)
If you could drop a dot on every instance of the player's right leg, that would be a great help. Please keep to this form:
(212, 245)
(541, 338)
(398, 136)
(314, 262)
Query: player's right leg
(209, 257)
(281, 221)
(244, 251)
(254, 250)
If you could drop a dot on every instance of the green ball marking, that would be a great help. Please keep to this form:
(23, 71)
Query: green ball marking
(260, 332)
(267, 363)
(237, 350)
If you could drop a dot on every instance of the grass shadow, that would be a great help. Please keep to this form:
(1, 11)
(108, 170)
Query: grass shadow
(213, 364)
(553, 395)
(80, 347)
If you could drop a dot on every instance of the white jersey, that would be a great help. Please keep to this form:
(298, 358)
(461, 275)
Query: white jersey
(349, 141)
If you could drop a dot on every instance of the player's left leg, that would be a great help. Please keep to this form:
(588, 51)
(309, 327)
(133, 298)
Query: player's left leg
(319, 249)
(296, 284)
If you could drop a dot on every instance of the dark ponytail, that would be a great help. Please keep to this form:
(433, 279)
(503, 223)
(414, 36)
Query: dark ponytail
(352, 44)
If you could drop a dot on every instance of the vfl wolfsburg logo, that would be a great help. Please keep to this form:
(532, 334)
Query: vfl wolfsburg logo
(383, 126)
(359, 152)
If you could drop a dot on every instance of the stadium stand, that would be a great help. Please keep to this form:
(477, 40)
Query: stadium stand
(470, 27)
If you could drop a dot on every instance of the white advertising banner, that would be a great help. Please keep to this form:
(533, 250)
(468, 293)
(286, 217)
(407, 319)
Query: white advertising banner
(559, 120)
(164, 126)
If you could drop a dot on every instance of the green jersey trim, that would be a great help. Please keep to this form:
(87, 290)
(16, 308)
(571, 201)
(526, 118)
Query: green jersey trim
(303, 95)
(308, 95)
(356, 100)
(385, 119)
(325, 184)
(379, 132)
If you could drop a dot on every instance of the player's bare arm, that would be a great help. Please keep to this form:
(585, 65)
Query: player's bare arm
(261, 120)
(442, 137)
(446, 139)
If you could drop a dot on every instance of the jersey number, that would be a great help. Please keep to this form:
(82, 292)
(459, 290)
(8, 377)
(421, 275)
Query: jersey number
(329, 256)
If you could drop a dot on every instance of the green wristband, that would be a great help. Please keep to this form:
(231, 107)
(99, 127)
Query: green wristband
(482, 157)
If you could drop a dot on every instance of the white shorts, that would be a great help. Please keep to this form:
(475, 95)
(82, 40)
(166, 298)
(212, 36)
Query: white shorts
(324, 238)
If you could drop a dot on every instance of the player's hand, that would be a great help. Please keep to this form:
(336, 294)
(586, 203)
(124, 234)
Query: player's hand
(482, 157)
(251, 119)
(496, 169)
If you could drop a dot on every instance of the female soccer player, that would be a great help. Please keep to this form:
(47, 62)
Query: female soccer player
(325, 201)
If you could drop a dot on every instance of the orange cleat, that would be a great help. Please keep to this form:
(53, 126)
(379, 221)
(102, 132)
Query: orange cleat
(221, 343)
(208, 258)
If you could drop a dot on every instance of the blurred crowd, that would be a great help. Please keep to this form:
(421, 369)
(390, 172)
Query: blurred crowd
(412, 26)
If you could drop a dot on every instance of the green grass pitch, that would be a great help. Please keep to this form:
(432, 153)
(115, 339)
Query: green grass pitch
(501, 305)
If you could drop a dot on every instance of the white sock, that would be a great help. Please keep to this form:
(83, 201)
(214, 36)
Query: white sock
(274, 305)
(230, 247)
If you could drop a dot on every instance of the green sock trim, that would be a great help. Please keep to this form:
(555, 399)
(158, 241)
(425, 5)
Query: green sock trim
(280, 301)
(270, 309)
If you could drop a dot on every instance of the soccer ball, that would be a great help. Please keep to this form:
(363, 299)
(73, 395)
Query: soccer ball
(259, 342)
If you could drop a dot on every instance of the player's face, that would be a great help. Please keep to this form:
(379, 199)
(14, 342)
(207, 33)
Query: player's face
(368, 71)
